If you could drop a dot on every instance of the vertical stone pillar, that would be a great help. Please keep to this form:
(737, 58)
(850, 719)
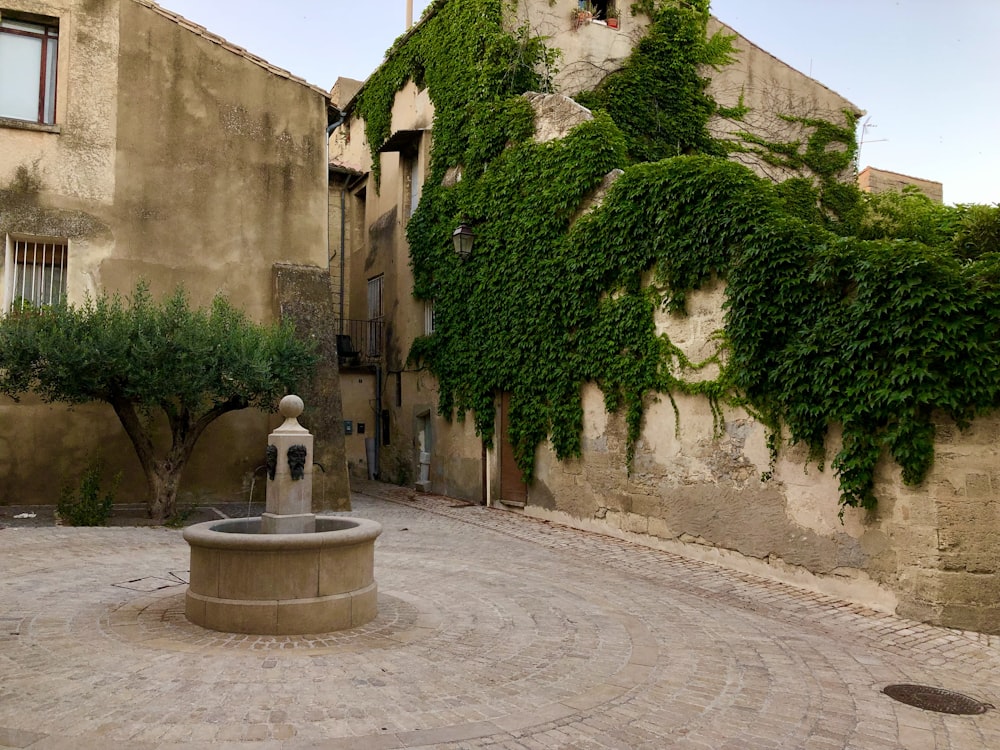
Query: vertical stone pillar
(289, 475)
(303, 296)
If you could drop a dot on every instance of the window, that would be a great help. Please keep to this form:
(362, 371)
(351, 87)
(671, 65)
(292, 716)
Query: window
(411, 172)
(375, 316)
(35, 273)
(600, 8)
(28, 70)
(428, 317)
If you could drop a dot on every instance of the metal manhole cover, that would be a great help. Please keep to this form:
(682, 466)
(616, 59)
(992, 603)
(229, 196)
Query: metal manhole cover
(936, 699)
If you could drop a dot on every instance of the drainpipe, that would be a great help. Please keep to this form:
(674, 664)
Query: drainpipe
(378, 418)
(331, 126)
(343, 227)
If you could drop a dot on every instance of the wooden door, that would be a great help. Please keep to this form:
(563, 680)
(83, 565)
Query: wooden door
(513, 490)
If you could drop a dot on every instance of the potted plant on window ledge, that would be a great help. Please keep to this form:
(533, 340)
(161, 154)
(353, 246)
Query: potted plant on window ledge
(581, 15)
(612, 17)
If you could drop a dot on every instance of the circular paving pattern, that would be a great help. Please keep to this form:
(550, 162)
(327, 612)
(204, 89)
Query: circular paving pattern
(491, 629)
(157, 621)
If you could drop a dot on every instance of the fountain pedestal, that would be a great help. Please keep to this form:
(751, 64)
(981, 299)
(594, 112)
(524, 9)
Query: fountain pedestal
(289, 475)
(287, 572)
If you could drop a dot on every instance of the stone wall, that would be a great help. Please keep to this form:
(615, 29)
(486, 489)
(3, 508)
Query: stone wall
(303, 296)
(696, 488)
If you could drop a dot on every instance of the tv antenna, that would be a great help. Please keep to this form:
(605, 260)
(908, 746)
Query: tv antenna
(864, 131)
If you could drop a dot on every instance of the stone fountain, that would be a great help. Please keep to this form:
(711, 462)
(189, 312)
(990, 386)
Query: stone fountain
(287, 572)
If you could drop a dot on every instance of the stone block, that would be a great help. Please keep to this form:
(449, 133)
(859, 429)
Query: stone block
(659, 527)
(963, 589)
(259, 617)
(256, 575)
(364, 605)
(635, 523)
(984, 619)
(204, 571)
(970, 561)
(917, 546)
(977, 486)
(646, 505)
(922, 584)
(347, 568)
(917, 609)
(319, 615)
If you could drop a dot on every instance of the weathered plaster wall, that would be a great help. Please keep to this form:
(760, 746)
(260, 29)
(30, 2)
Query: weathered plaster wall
(928, 552)
(768, 88)
(71, 165)
(67, 194)
(234, 149)
(176, 160)
(358, 393)
(76, 164)
(590, 51)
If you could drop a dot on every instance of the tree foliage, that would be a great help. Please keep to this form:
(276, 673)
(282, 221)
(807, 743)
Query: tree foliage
(145, 358)
(463, 53)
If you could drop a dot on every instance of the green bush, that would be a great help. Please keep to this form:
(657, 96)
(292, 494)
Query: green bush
(85, 505)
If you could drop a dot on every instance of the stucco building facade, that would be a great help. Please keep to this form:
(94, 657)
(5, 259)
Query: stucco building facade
(137, 145)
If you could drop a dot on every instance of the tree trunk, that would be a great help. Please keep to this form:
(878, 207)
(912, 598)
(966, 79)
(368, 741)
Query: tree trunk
(163, 476)
(163, 481)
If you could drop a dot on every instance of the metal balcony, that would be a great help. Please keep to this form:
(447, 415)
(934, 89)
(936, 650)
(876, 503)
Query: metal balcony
(359, 343)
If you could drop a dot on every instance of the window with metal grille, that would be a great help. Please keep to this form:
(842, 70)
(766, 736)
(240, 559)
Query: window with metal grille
(428, 317)
(28, 53)
(35, 273)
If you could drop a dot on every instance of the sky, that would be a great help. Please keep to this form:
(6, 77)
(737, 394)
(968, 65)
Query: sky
(924, 71)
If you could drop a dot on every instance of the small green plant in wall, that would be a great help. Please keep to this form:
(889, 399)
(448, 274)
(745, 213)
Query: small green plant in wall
(834, 314)
(90, 502)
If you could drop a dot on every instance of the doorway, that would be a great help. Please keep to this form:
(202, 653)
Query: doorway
(513, 489)
(424, 452)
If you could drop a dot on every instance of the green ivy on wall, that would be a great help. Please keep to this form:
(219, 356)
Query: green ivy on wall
(830, 319)
(463, 53)
(659, 99)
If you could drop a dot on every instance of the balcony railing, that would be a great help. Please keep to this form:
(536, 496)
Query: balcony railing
(359, 343)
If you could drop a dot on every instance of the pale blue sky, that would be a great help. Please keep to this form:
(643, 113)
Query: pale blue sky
(924, 70)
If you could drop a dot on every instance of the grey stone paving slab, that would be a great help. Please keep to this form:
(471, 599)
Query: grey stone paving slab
(494, 631)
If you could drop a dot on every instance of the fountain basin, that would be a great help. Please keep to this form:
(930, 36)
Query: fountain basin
(244, 581)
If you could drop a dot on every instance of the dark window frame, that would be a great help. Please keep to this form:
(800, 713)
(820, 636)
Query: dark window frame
(48, 33)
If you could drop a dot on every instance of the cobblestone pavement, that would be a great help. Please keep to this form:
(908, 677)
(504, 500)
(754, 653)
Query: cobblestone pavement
(494, 631)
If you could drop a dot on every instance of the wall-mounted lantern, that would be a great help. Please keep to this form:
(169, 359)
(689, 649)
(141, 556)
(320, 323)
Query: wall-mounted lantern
(463, 237)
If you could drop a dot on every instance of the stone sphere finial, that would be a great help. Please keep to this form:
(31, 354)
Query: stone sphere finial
(291, 406)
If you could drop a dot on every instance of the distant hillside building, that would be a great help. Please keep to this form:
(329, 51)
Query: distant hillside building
(873, 180)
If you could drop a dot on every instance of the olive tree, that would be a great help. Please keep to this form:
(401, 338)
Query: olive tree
(150, 359)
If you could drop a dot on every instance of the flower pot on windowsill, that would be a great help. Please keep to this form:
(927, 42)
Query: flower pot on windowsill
(581, 17)
(612, 23)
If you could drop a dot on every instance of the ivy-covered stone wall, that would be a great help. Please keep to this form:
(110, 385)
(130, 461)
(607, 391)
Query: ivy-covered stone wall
(845, 330)
(695, 487)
